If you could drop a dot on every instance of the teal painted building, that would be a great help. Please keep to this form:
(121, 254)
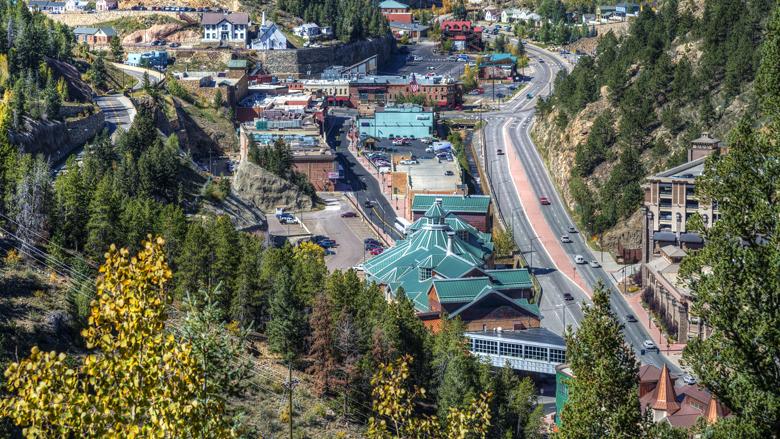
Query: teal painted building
(404, 120)
(563, 374)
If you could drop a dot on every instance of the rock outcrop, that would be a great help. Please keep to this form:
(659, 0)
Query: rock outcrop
(266, 191)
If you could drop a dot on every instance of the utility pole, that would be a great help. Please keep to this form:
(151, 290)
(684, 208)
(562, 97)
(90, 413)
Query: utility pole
(289, 399)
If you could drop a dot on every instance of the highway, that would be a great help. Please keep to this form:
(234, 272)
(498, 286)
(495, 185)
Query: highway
(513, 123)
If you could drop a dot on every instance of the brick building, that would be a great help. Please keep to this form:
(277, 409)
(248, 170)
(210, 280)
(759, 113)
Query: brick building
(464, 35)
(396, 11)
(369, 92)
(95, 36)
(474, 209)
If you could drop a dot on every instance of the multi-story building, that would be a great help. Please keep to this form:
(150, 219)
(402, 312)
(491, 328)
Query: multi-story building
(404, 120)
(311, 155)
(670, 201)
(474, 209)
(370, 92)
(225, 27)
(395, 12)
(464, 34)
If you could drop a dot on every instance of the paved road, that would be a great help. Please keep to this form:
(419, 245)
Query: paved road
(119, 111)
(517, 118)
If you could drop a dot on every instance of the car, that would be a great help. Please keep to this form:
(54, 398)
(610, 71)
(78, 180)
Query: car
(174, 45)
(499, 151)
(474, 92)
(595, 264)
(349, 214)
(529, 96)
(649, 345)
(398, 142)
(449, 173)
(568, 297)
(431, 67)
(418, 58)
(512, 87)
(376, 251)
(368, 204)
(408, 162)
(541, 61)
(579, 259)
(371, 241)
(452, 58)
(544, 201)
(430, 75)
(429, 149)
(287, 220)
(631, 319)
(572, 229)
(565, 239)
(689, 379)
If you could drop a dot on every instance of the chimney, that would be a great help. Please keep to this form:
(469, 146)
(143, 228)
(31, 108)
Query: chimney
(450, 250)
(263, 23)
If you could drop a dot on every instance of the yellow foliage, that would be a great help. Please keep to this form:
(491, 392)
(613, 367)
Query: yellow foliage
(394, 402)
(140, 382)
(12, 258)
(309, 250)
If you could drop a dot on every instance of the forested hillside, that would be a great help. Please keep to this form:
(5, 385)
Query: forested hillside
(633, 108)
(350, 20)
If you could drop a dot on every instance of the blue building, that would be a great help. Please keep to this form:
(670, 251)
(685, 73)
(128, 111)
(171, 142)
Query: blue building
(155, 58)
(404, 120)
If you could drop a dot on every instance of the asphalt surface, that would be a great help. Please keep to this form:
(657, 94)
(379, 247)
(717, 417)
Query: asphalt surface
(518, 115)
(431, 62)
(118, 109)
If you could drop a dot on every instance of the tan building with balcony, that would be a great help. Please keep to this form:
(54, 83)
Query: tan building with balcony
(670, 201)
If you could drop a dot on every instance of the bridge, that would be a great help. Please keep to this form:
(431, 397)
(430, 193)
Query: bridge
(533, 350)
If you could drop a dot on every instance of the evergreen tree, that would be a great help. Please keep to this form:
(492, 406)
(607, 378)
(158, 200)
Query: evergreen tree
(116, 49)
(224, 267)
(406, 334)
(287, 327)
(603, 395)
(736, 279)
(71, 207)
(103, 215)
(33, 202)
(249, 303)
(455, 369)
(516, 412)
(195, 261)
(98, 73)
(52, 100)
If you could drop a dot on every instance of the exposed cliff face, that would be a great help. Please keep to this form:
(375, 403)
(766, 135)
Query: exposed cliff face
(265, 190)
(57, 139)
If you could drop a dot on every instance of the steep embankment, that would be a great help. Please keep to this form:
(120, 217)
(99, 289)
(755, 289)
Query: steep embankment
(632, 110)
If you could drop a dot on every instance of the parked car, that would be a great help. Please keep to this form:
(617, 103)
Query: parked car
(649, 345)
(376, 251)
(431, 67)
(579, 259)
(631, 319)
(174, 45)
(595, 264)
(408, 162)
(568, 297)
(499, 151)
(689, 379)
(327, 243)
(474, 92)
(371, 241)
(449, 173)
(544, 201)
(398, 142)
(565, 239)
(349, 214)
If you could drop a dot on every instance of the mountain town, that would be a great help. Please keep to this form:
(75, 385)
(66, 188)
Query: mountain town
(379, 219)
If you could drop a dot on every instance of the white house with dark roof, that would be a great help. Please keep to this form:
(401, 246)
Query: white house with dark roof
(269, 37)
(228, 27)
(106, 5)
(46, 6)
(308, 31)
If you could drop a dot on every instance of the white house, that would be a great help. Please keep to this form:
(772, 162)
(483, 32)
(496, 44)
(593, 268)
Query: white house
(512, 15)
(105, 5)
(228, 27)
(75, 5)
(308, 31)
(46, 6)
(269, 37)
(492, 14)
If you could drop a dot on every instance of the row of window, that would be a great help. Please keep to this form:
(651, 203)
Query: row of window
(492, 347)
(215, 35)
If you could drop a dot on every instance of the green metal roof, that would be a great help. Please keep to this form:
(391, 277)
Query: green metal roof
(460, 290)
(392, 4)
(521, 303)
(453, 203)
(516, 277)
(435, 211)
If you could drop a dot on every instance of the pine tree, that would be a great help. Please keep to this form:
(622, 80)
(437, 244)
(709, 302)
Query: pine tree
(455, 369)
(321, 345)
(287, 327)
(71, 206)
(103, 214)
(603, 396)
(33, 201)
(250, 303)
(116, 49)
(195, 261)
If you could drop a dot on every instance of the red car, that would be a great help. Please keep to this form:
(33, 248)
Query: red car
(348, 215)
(544, 200)
(376, 251)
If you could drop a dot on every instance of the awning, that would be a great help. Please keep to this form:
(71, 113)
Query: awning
(691, 238)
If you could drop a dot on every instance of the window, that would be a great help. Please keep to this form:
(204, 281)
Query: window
(557, 356)
(536, 353)
(512, 350)
(485, 346)
(425, 273)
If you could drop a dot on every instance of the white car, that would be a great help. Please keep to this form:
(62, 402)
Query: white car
(595, 264)
(565, 239)
(649, 345)
(408, 162)
(689, 379)
(579, 259)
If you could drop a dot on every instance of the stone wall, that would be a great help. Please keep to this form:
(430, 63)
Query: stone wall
(57, 139)
(296, 62)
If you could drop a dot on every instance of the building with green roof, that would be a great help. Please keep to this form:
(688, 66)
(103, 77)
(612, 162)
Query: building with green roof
(473, 209)
(444, 266)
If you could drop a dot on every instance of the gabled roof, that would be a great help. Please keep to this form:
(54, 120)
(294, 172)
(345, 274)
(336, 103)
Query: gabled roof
(453, 203)
(521, 304)
(216, 18)
(392, 4)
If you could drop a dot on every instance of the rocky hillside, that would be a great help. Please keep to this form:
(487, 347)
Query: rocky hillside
(266, 191)
(632, 110)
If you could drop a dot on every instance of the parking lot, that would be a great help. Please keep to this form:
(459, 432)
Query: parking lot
(346, 233)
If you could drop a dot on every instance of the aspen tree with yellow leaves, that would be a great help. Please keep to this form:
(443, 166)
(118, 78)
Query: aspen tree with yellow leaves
(139, 381)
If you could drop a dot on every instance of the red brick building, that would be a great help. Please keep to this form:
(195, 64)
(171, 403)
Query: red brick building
(369, 92)
(473, 209)
(395, 12)
(463, 33)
